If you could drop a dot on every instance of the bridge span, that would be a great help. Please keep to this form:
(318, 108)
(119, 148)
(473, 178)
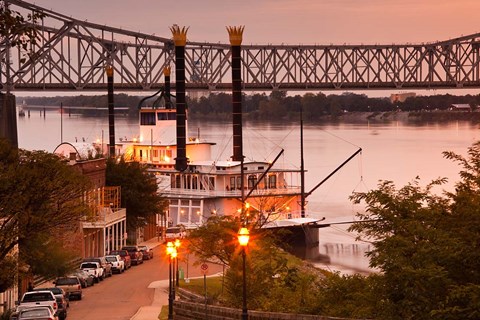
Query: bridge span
(70, 54)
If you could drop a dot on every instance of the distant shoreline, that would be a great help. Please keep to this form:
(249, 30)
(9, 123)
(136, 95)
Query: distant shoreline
(405, 116)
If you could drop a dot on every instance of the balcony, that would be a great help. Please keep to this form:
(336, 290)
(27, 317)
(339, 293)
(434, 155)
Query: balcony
(105, 217)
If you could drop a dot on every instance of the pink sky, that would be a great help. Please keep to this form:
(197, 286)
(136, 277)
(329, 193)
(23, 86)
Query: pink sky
(286, 21)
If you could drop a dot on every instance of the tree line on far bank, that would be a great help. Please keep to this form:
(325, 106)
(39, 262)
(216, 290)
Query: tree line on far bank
(277, 105)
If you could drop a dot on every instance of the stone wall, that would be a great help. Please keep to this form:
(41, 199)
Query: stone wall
(198, 311)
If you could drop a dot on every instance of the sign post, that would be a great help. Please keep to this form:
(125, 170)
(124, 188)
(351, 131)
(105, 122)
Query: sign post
(204, 268)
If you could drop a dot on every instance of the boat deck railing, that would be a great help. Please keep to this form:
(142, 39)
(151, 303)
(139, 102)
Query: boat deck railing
(176, 192)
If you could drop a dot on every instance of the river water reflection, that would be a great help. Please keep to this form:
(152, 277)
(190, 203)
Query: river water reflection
(391, 151)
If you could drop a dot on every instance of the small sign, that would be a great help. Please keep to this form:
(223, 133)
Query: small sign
(204, 268)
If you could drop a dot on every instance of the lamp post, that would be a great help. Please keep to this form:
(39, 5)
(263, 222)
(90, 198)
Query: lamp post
(172, 254)
(243, 237)
(177, 244)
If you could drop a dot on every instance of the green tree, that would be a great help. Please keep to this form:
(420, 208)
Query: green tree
(40, 196)
(139, 191)
(426, 245)
(216, 240)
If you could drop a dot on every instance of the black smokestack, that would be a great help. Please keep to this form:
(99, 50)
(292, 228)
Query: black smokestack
(111, 114)
(180, 39)
(168, 101)
(235, 34)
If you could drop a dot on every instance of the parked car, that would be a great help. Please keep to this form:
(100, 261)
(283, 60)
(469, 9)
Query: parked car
(57, 292)
(146, 252)
(107, 268)
(173, 233)
(42, 298)
(86, 279)
(117, 263)
(125, 257)
(37, 313)
(135, 255)
(94, 269)
(71, 285)
(62, 308)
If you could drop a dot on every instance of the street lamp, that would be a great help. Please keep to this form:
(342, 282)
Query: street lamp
(172, 254)
(243, 237)
(177, 244)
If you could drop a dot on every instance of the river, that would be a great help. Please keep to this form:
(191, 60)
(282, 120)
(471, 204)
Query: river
(393, 151)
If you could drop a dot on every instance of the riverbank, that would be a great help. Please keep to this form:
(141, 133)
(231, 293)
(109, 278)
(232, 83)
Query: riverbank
(405, 116)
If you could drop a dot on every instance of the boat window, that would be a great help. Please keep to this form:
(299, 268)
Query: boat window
(232, 183)
(184, 215)
(252, 180)
(239, 183)
(162, 116)
(211, 183)
(141, 154)
(194, 182)
(172, 181)
(172, 116)
(169, 154)
(272, 181)
(185, 182)
(178, 181)
(147, 118)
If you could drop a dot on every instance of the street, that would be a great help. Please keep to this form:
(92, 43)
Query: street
(120, 296)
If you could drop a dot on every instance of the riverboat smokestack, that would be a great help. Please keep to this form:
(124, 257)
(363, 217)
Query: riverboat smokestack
(168, 101)
(111, 114)
(180, 40)
(235, 34)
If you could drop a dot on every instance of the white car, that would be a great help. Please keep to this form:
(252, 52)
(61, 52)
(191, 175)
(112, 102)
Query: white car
(118, 265)
(173, 233)
(38, 299)
(94, 269)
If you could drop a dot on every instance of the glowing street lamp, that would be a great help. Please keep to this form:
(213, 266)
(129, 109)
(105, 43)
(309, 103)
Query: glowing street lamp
(177, 244)
(172, 254)
(243, 238)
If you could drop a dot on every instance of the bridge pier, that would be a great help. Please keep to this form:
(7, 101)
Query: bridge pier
(8, 118)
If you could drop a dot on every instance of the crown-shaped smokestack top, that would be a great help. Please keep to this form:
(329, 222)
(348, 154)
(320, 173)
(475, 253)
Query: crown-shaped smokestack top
(166, 71)
(179, 35)
(236, 35)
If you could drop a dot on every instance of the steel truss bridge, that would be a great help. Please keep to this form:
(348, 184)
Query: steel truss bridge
(71, 55)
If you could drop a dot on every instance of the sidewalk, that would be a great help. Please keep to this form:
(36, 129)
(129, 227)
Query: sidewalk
(160, 297)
